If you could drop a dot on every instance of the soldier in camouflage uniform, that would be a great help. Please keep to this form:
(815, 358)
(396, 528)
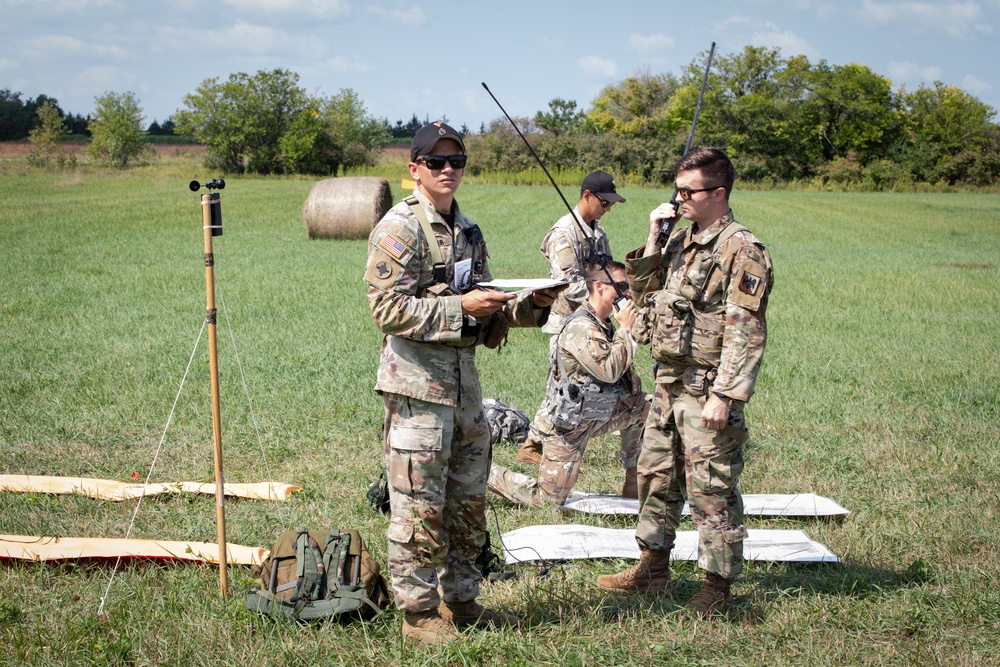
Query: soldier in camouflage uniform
(595, 363)
(437, 444)
(570, 248)
(702, 301)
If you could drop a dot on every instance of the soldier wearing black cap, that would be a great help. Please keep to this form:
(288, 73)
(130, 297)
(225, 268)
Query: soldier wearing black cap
(570, 246)
(424, 259)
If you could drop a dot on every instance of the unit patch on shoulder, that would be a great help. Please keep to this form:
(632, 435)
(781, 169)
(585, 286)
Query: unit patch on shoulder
(749, 285)
(392, 245)
(381, 272)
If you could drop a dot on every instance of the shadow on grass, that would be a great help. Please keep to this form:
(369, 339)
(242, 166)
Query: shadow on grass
(559, 596)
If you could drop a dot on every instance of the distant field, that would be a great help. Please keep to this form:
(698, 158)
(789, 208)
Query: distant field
(880, 389)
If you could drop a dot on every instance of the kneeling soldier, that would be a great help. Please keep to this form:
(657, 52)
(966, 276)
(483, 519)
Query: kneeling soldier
(593, 391)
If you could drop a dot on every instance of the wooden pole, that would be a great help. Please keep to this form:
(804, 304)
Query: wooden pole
(208, 201)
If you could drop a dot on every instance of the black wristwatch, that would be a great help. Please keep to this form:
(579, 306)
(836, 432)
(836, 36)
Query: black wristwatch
(723, 397)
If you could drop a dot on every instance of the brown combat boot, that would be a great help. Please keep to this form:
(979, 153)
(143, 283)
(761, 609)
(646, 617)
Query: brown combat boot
(630, 489)
(650, 575)
(713, 598)
(471, 613)
(428, 626)
(530, 452)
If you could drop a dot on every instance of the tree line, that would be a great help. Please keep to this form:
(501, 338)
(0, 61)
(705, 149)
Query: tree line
(781, 119)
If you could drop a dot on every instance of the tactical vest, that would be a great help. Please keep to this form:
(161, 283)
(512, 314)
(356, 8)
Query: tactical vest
(570, 403)
(672, 320)
(491, 331)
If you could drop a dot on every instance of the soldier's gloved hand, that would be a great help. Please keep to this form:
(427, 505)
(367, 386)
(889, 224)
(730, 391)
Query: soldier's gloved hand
(626, 316)
(481, 302)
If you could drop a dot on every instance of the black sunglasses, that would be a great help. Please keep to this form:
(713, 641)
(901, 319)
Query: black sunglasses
(436, 162)
(604, 202)
(620, 285)
(685, 193)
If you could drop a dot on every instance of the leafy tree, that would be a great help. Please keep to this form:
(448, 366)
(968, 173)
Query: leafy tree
(357, 136)
(561, 117)
(45, 137)
(851, 108)
(241, 121)
(18, 116)
(116, 130)
(948, 136)
(637, 106)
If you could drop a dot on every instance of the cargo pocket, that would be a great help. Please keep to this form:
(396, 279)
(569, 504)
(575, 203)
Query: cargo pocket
(400, 530)
(673, 324)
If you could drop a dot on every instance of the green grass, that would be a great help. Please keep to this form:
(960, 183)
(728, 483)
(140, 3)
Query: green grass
(879, 389)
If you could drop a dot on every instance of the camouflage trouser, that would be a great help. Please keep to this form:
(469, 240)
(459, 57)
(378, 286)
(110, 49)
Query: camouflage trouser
(562, 454)
(438, 458)
(540, 427)
(679, 459)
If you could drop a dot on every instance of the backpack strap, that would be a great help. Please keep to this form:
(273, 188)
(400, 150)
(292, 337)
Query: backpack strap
(309, 568)
(334, 557)
(425, 225)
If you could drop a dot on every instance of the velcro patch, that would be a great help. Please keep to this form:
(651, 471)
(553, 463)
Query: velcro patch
(749, 285)
(393, 246)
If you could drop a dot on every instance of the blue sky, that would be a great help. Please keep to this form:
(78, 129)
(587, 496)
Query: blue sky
(429, 58)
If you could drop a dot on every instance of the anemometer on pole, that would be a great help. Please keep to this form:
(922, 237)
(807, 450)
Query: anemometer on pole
(211, 215)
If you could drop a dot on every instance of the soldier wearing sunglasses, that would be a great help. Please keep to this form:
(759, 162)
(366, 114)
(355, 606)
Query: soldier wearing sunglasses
(593, 390)
(702, 301)
(424, 259)
(570, 246)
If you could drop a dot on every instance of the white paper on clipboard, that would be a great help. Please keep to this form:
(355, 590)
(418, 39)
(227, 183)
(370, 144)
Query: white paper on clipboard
(519, 285)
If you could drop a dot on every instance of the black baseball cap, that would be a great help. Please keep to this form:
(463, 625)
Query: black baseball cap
(601, 184)
(425, 138)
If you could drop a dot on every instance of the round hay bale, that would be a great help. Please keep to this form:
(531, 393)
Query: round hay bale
(346, 207)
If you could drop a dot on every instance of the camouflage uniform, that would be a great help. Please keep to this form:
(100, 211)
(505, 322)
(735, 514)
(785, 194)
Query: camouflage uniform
(598, 360)
(569, 250)
(703, 305)
(437, 442)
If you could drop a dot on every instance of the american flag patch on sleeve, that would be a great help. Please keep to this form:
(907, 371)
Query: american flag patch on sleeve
(392, 245)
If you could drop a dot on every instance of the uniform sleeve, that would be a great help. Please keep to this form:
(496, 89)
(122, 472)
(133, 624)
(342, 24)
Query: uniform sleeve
(393, 273)
(745, 334)
(588, 346)
(564, 264)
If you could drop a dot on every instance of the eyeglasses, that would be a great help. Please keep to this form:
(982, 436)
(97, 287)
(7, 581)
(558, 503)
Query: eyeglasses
(685, 193)
(620, 285)
(604, 203)
(436, 162)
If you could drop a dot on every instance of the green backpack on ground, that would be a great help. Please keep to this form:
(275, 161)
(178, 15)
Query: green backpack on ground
(316, 574)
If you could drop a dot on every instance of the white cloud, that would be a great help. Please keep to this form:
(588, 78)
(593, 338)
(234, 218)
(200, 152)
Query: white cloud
(789, 43)
(907, 72)
(402, 14)
(55, 7)
(57, 46)
(976, 86)
(746, 30)
(957, 20)
(352, 64)
(104, 79)
(297, 8)
(598, 66)
(6, 63)
(649, 43)
(245, 36)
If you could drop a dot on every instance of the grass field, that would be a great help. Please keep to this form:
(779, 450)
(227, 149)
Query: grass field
(879, 389)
